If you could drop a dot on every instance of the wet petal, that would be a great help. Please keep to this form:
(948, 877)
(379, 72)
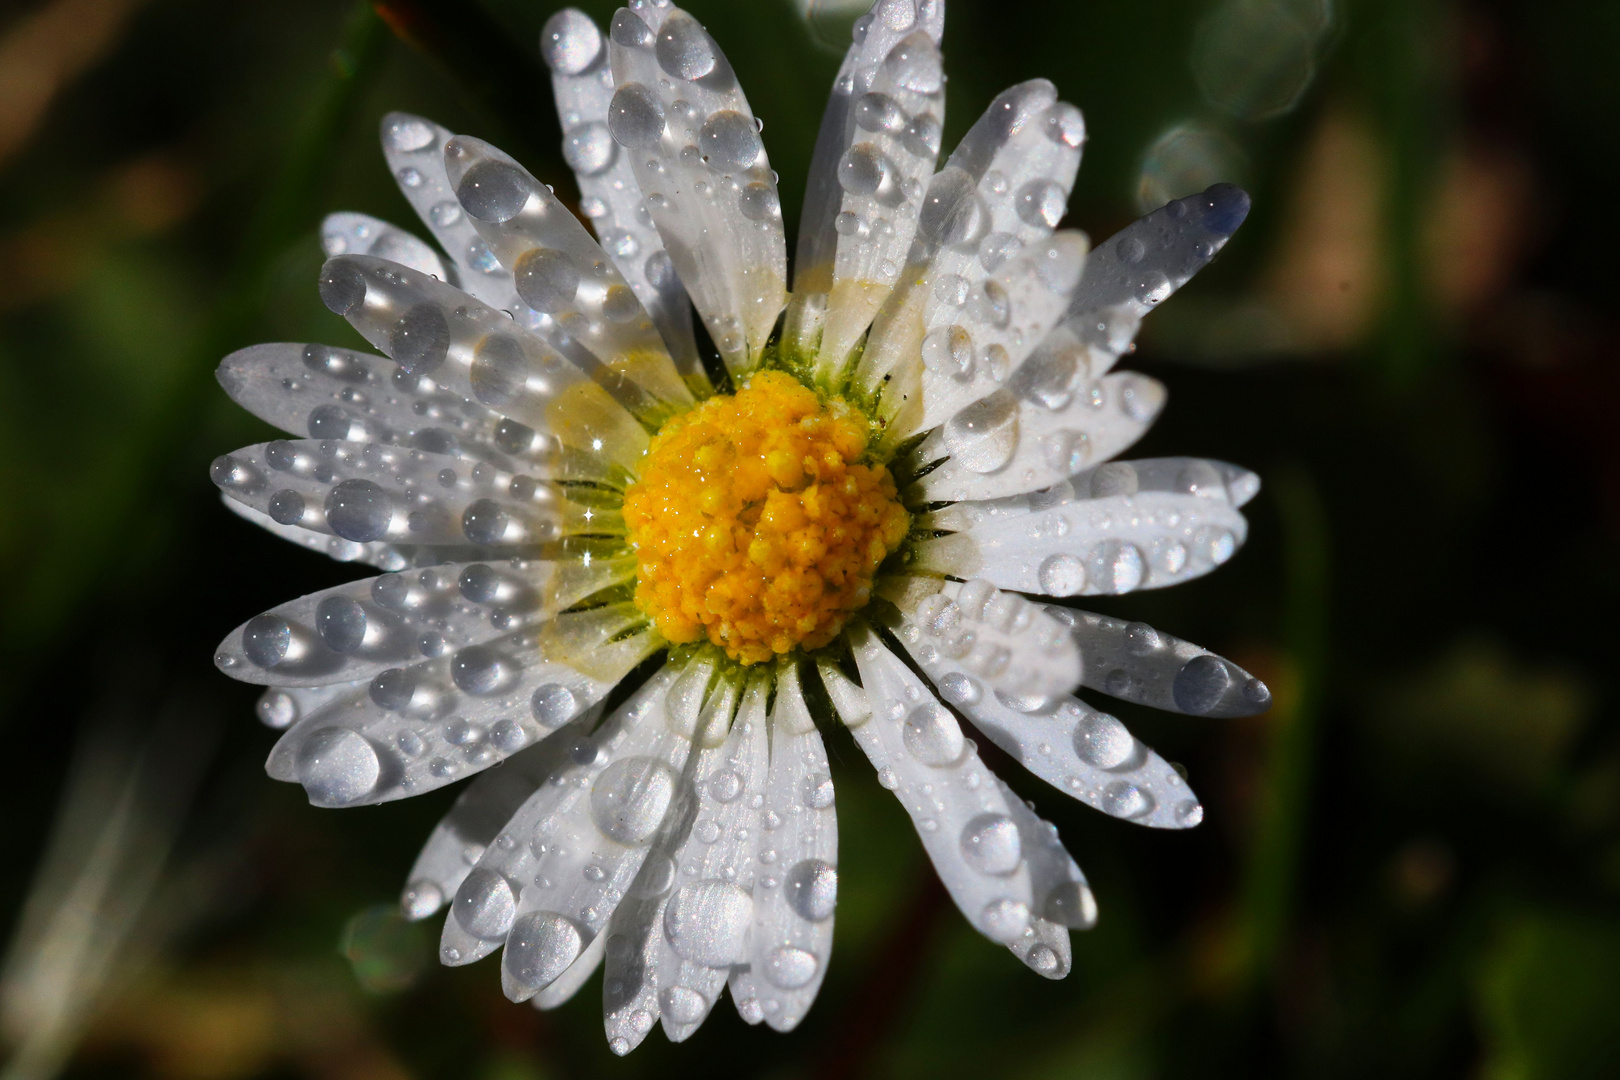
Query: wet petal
(349, 233)
(1003, 639)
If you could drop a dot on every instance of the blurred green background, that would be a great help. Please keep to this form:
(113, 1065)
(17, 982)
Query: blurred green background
(1410, 867)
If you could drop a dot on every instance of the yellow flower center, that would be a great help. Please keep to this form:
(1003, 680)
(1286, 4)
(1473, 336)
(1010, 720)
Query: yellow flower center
(755, 524)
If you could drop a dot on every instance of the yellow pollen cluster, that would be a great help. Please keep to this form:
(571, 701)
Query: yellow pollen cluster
(754, 526)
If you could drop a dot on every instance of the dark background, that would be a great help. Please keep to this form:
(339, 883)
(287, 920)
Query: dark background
(1410, 866)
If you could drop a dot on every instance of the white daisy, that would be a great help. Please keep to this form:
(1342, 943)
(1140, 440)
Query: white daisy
(567, 503)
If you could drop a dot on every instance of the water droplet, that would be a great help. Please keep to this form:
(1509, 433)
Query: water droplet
(684, 48)
(1117, 567)
(1062, 575)
(1201, 684)
(485, 905)
(419, 340)
(552, 704)
(337, 766)
(879, 112)
(421, 899)
(359, 510)
(485, 522)
(1102, 741)
(932, 735)
(341, 624)
(708, 923)
(1044, 960)
(863, 169)
(725, 785)
(1004, 920)
(983, 436)
(729, 141)
(790, 968)
(277, 709)
(990, 844)
(392, 689)
(630, 798)
(539, 947)
(406, 134)
(636, 116)
(914, 64)
(682, 1005)
(547, 280)
(949, 351)
(1041, 203)
(477, 669)
(818, 791)
(266, 639)
(342, 286)
(1065, 124)
(887, 778)
(570, 42)
(959, 689)
(589, 148)
(952, 211)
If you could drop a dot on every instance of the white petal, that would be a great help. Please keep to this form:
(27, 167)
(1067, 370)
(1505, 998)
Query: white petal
(1098, 546)
(415, 728)
(1207, 479)
(330, 393)
(383, 556)
(891, 109)
(349, 233)
(366, 492)
(1081, 752)
(576, 975)
(876, 34)
(430, 328)
(977, 340)
(708, 918)
(1140, 266)
(1133, 661)
(560, 272)
(414, 147)
(355, 630)
(576, 860)
(554, 874)
(1004, 187)
(1002, 445)
(695, 148)
(582, 86)
(1062, 897)
(797, 886)
(959, 810)
(478, 815)
(1003, 639)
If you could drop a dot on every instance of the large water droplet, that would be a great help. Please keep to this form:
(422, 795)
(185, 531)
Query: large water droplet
(811, 889)
(1041, 203)
(419, 340)
(1101, 740)
(359, 510)
(547, 280)
(406, 134)
(1123, 799)
(790, 968)
(342, 286)
(990, 844)
(708, 923)
(1117, 567)
(630, 798)
(485, 522)
(682, 1004)
(914, 64)
(959, 689)
(341, 623)
(277, 709)
(1004, 920)
(1062, 575)
(495, 191)
(636, 117)
(684, 49)
(589, 148)
(863, 169)
(759, 202)
(477, 669)
(266, 639)
(392, 689)
(570, 42)
(932, 735)
(420, 899)
(552, 704)
(952, 211)
(1200, 684)
(1066, 125)
(983, 436)
(337, 767)
(539, 947)
(730, 142)
(879, 112)
(818, 791)
(484, 905)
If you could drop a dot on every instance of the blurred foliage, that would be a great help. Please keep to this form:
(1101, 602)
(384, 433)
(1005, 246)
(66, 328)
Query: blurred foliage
(1410, 866)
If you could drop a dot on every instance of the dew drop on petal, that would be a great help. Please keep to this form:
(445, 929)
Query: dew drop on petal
(337, 766)
(484, 904)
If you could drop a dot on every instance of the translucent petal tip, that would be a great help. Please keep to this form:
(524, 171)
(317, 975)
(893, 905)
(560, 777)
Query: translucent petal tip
(1224, 207)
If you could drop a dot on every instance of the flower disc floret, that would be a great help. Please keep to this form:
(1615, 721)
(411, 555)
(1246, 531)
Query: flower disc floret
(756, 522)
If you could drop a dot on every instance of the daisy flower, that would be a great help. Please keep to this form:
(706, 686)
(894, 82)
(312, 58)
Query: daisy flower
(643, 584)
